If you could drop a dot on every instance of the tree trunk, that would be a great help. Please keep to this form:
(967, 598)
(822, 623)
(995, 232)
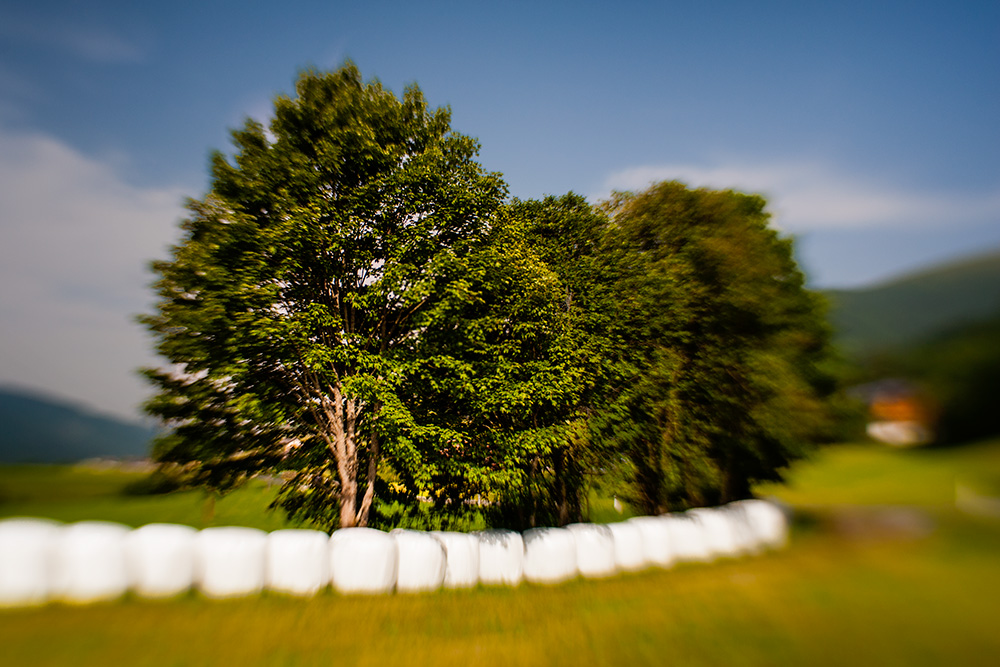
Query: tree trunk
(348, 467)
(533, 491)
(342, 416)
(736, 486)
(560, 487)
(208, 508)
(366, 502)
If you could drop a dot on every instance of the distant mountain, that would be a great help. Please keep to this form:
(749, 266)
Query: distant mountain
(916, 307)
(38, 429)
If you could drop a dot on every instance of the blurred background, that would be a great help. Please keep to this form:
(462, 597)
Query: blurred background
(870, 129)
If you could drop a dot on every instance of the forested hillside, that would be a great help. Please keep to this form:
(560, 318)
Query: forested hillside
(37, 429)
(916, 307)
(939, 330)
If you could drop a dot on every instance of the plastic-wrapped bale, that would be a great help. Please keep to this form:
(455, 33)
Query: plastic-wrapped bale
(422, 561)
(656, 543)
(745, 538)
(89, 562)
(461, 558)
(161, 559)
(26, 548)
(298, 561)
(717, 530)
(230, 561)
(768, 522)
(629, 551)
(501, 557)
(687, 536)
(595, 550)
(363, 560)
(549, 555)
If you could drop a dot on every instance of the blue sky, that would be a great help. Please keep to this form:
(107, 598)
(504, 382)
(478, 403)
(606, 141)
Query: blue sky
(870, 126)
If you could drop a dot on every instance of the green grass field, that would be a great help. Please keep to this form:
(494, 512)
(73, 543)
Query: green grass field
(882, 570)
(68, 493)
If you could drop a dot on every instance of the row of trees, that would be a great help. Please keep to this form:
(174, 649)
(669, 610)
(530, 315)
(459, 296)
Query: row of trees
(358, 305)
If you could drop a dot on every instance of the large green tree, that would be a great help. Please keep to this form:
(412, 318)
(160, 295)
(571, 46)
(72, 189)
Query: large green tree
(566, 234)
(294, 308)
(513, 370)
(722, 350)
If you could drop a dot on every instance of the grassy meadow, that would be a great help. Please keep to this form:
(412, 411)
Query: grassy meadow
(79, 493)
(882, 569)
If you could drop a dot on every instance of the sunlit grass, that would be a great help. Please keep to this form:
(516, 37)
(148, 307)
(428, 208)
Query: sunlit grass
(873, 474)
(74, 493)
(828, 600)
(856, 586)
(71, 493)
(601, 509)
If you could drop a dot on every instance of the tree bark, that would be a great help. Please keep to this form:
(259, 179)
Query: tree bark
(561, 487)
(736, 486)
(341, 415)
(366, 502)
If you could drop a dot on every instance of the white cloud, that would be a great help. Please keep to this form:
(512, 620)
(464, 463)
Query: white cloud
(75, 240)
(102, 45)
(809, 195)
(81, 36)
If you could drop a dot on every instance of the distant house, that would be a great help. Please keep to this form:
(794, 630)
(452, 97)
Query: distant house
(899, 413)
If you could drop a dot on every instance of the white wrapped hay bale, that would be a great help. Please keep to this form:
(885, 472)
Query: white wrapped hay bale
(717, 530)
(26, 548)
(422, 561)
(656, 542)
(767, 521)
(687, 536)
(745, 538)
(89, 562)
(298, 561)
(461, 558)
(595, 550)
(160, 558)
(501, 557)
(549, 555)
(230, 561)
(629, 551)
(363, 560)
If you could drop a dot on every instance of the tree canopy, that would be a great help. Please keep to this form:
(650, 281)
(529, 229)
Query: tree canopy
(356, 305)
(292, 306)
(721, 365)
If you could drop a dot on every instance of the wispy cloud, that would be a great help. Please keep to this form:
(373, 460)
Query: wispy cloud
(75, 239)
(809, 195)
(80, 37)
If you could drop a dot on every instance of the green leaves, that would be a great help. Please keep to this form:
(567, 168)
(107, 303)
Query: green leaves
(355, 305)
(322, 251)
(725, 347)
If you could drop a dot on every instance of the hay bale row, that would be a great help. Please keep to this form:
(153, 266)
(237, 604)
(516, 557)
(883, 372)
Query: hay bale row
(92, 561)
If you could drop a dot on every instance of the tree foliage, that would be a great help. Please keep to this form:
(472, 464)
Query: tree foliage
(520, 374)
(722, 354)
(292, 306)
(355, 305)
